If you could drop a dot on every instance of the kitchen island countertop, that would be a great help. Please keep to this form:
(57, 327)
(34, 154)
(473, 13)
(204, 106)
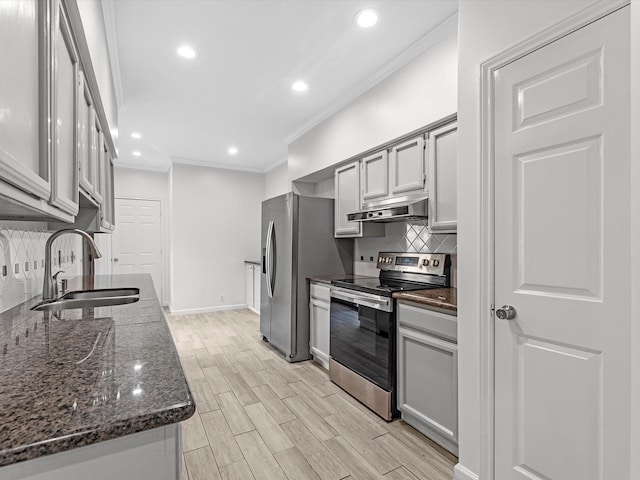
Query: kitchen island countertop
(77, 377)
(441, 298)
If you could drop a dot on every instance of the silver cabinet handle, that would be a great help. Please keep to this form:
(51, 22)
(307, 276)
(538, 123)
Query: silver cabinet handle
(506, 312)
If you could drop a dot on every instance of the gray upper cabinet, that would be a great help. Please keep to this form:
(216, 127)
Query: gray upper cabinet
(64, 158)
(54, 127)
(375, 177)
(23, 97)
(347, 180)
(107, 208)
(97, 154)
(347, 200)
(407, 167)
(86, 121)
(443, 161)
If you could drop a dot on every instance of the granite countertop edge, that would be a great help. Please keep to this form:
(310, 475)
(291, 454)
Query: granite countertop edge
(159, 415)
(110, 431)
(439, 298)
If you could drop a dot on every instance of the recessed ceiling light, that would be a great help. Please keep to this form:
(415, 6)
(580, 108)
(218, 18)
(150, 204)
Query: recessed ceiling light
(299, 86)
(136, 135)
(232, 150)
(186, 51)
(367, 18)
(136, 153)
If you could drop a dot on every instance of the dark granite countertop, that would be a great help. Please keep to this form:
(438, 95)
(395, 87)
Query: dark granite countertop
(338, 276)
(78, 377)
(440, 298)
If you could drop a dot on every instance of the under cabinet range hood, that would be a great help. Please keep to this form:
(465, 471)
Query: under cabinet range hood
(395, 212)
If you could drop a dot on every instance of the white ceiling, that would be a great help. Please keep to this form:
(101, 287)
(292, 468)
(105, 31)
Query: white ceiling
(238, 90)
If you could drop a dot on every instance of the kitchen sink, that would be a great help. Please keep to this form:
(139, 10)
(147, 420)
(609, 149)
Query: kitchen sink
(91, 298)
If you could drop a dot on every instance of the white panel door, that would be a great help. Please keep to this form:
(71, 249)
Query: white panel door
(561, 240)
(137, 239)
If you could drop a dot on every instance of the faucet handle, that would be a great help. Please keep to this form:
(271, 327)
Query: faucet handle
(55, 283)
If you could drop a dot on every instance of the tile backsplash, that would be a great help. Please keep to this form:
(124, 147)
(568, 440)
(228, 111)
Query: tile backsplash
(22, 260)
(411, 236)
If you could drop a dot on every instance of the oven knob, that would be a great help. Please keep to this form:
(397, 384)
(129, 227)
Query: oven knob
(388, 259)
(435, 263)
(425, 263)
(379, 259)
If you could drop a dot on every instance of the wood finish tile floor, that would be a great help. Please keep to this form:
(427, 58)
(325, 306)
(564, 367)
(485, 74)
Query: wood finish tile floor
(259, 417)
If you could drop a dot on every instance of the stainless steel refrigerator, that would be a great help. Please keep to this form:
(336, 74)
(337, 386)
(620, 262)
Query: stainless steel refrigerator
(297, 242)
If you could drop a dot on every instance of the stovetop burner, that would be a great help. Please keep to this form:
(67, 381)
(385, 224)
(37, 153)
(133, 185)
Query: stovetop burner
(381, 286)
(401, 272)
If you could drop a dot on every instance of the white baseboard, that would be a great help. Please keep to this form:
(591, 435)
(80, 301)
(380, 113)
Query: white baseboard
(219, 308)
(254, 310)
(463, 473)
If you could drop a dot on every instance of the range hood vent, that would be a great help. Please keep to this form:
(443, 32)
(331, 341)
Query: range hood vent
(400, 212)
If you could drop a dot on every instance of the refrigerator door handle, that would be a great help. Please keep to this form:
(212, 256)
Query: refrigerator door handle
(269, 261)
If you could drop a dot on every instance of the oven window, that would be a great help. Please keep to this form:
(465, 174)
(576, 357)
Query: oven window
(362, 339)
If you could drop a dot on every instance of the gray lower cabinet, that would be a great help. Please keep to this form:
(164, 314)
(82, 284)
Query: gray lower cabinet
(319, 307)
(428, 373)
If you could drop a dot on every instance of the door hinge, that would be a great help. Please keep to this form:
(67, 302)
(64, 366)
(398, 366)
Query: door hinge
(492, 309)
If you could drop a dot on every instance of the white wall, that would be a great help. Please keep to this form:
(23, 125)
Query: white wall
(421, 92)
(485, 29)
(94, 29)
(276, 181)
(215, 228)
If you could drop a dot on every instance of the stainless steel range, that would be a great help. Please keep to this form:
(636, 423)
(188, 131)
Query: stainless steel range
(363, 325)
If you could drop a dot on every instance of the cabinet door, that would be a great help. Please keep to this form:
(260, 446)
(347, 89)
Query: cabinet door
(64, 159)
(23, 97)
(347, 179)
(106, 208)
(97, 152)
(319, 331)
(86, 120)
(257, 270)
(375, 176)
(443, 182)
(408, 167)
(428, 385)
(248, 284)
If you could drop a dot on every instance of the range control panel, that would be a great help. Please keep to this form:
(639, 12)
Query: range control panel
(430, 263)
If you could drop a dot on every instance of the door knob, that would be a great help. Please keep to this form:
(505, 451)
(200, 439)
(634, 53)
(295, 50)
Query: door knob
(506, 312)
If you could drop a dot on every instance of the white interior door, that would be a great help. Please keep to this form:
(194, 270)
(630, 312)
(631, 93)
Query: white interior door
(137, 239)
(561, 252)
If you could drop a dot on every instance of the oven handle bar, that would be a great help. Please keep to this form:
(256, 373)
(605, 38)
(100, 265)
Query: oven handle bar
(373, 301)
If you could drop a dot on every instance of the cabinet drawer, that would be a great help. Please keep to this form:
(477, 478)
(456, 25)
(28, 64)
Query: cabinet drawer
(321, 291)
(434, 323)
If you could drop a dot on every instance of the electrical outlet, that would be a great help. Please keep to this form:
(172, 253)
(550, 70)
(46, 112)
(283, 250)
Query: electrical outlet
(222, 298)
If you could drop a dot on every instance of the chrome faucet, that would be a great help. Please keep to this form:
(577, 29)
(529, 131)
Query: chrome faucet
(50, 286)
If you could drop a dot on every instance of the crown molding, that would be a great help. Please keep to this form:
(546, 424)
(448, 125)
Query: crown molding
(424, 43)
(148, 168)
(221, 166)
(276, 164)
(109, 14)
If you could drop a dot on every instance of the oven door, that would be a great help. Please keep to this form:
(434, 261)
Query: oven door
(362, 328)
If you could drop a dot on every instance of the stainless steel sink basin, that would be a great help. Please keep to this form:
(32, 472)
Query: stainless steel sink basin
(91, 298)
